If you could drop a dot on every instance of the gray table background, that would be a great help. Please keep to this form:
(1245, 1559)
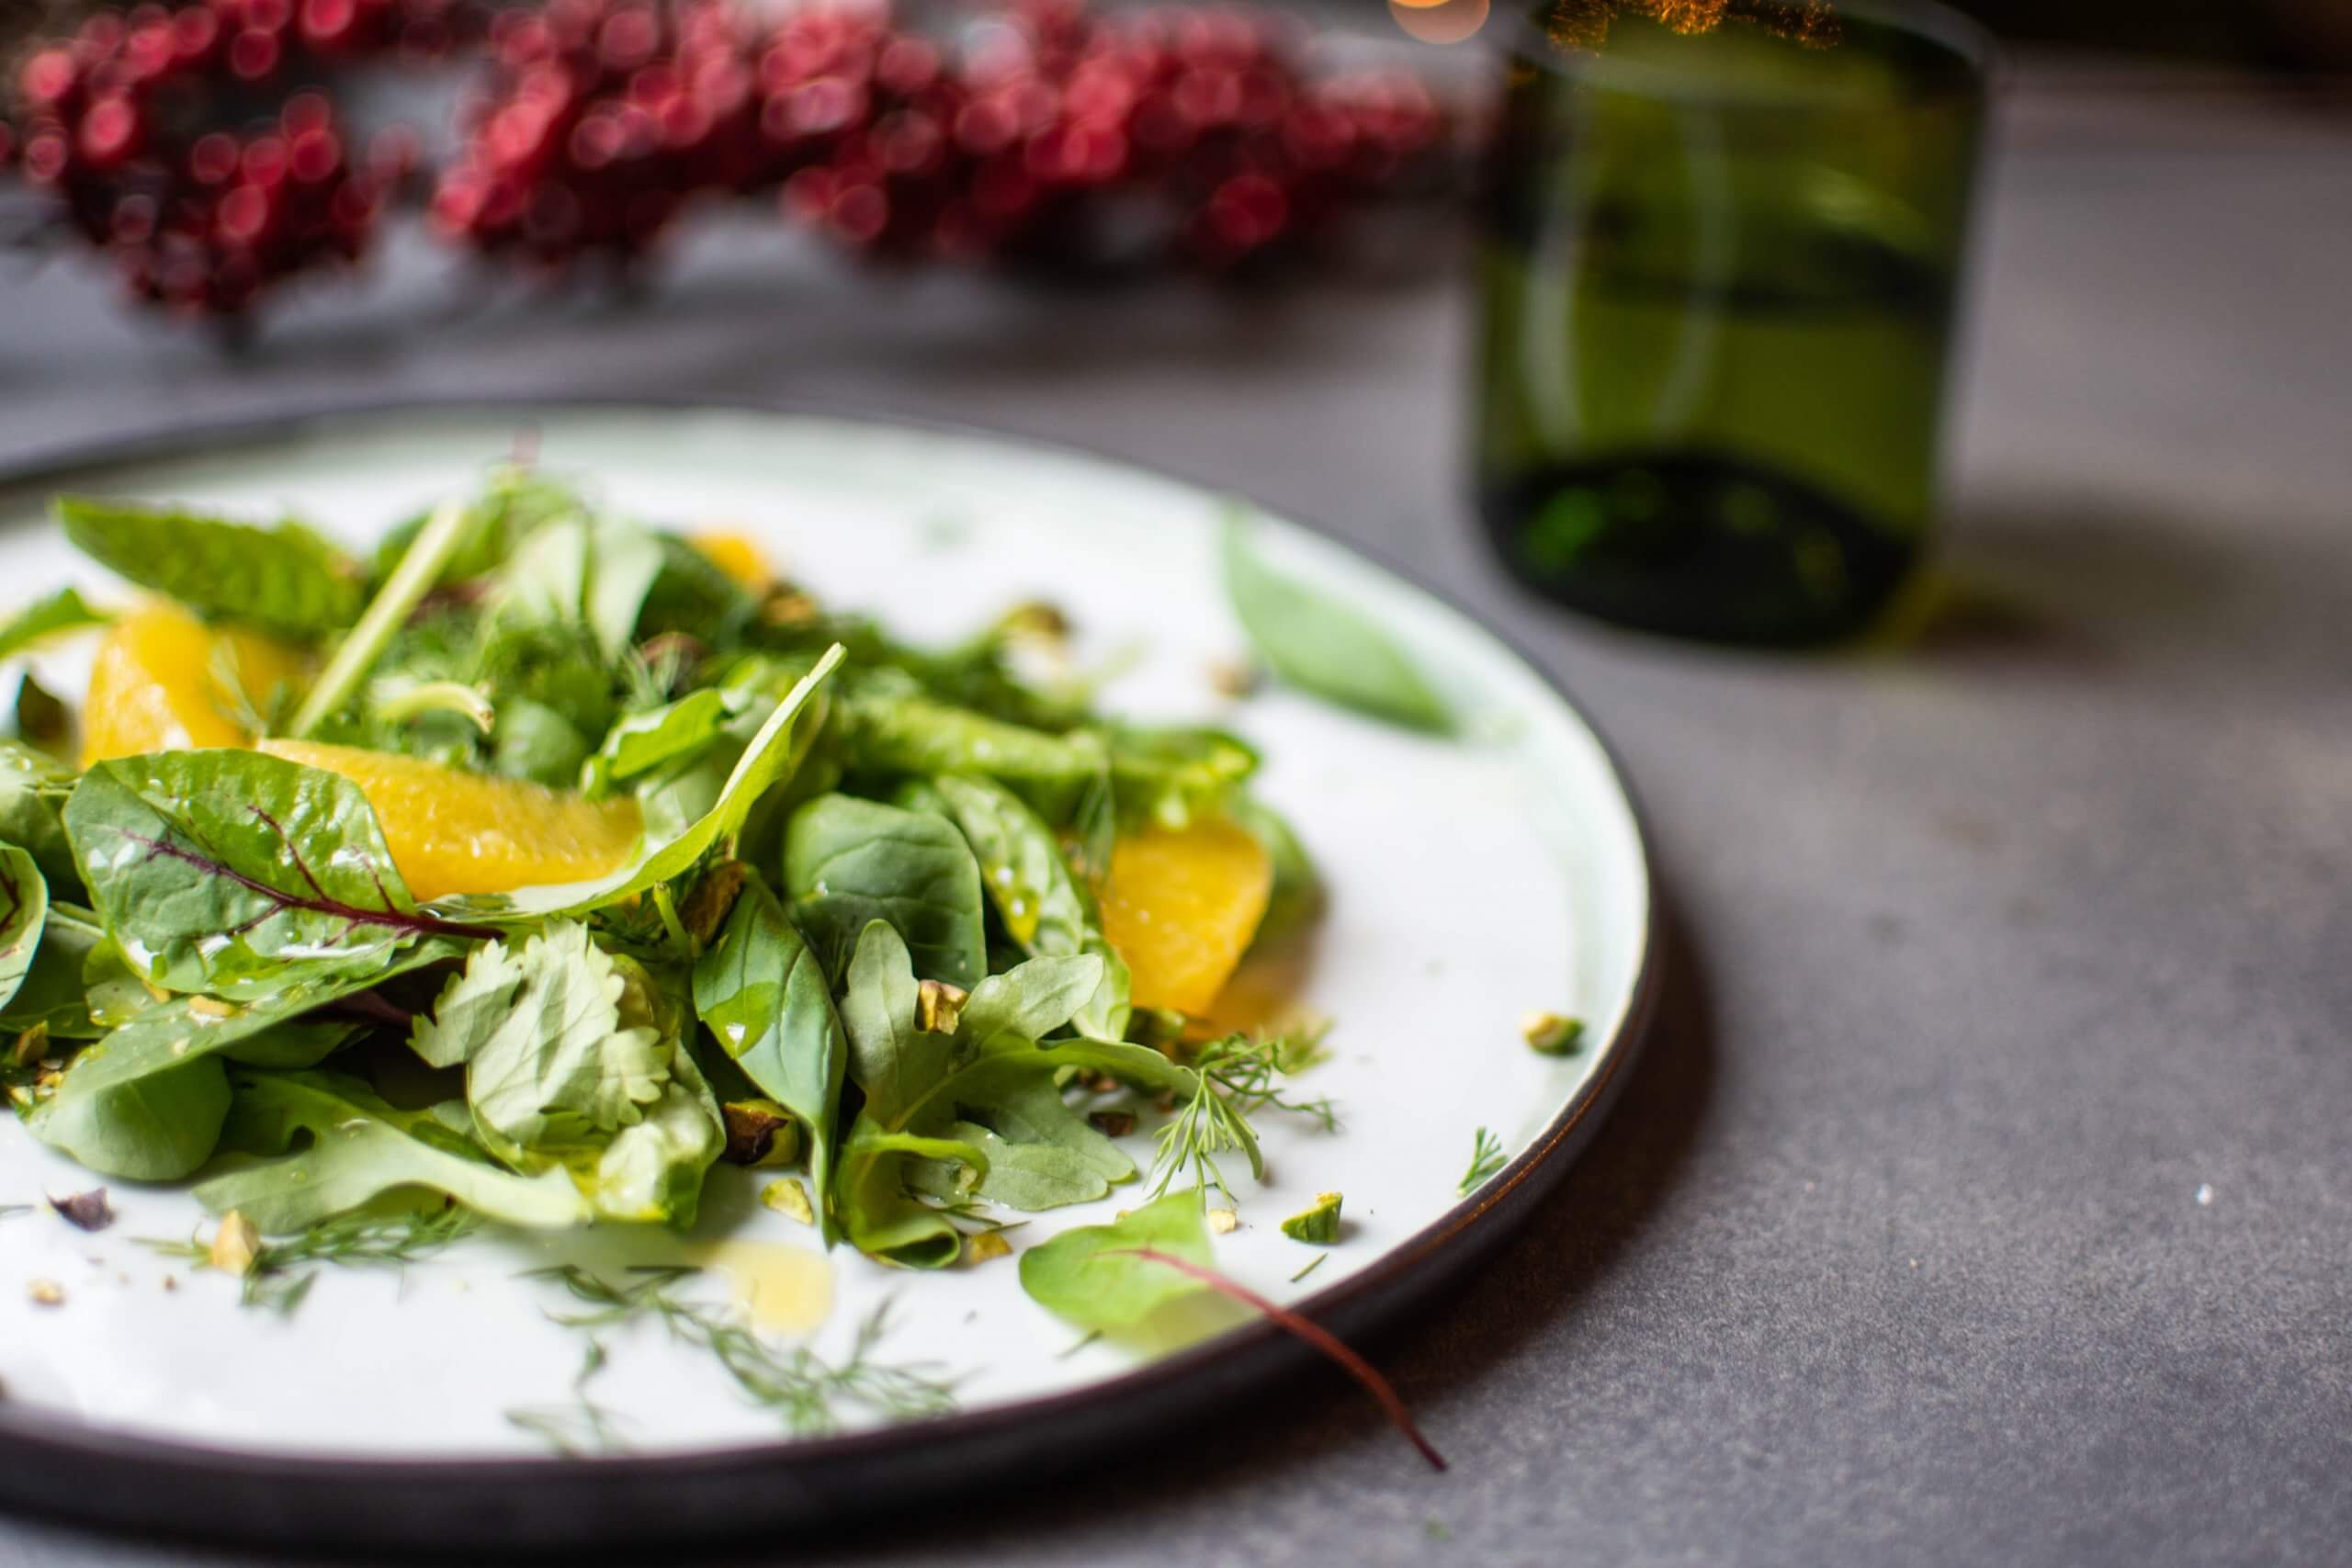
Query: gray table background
(1984, 1196)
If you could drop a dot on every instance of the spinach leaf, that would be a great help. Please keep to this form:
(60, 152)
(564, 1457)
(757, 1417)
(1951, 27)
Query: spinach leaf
(24, 911)
(63, 610)
(775, 752)
(285, 579)
(691, 594)
(214, 870)
(33, 790)
(1044, 908)
(1030, 1000)
(1324, 647)
(536, 742)
(344, 1147)
(849, 862)
(1091, 1277)
(53, 996)
(765, 997)
(894, 1063)
(1297, 895)
(154, 1129)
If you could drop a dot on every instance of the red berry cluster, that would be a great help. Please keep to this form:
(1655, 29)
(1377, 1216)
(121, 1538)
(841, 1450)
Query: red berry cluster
(128, 125)
(1195, 127)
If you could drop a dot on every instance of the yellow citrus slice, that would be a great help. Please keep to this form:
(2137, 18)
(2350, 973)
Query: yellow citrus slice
(158, 684)
(739, 556)
(1181, 906)
(452, 831)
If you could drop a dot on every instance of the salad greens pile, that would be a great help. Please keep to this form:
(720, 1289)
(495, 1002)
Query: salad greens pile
(860, 927)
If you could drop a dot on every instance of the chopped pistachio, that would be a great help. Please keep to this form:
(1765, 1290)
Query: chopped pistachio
(84, 1211)
(1113, 1123)
(46, 1292)
(212, 1009)
(1223, 1221)
(788, 1197)
(20, 1094)
(787, 608)
(32, 1044)
(1034, 622)
(938, 1007)
(759, 1132)
(1554, 1034)
(985, 1246)
(236, 1245)
(1318, 1223)
(1233, 678)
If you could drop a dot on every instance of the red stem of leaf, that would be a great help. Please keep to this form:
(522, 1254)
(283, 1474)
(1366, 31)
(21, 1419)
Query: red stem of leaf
(1315, 1334)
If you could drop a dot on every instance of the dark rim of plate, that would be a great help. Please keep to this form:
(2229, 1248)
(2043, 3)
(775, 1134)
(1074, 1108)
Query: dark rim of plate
(123, 1480)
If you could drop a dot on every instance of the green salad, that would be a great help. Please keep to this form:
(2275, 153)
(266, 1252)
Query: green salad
(526, 870)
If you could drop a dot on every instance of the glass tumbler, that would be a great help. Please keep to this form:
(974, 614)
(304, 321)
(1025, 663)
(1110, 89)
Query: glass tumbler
(1718, 268)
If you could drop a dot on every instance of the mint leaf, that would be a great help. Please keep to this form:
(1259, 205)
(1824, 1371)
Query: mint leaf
(286, 579)
(1324, 647)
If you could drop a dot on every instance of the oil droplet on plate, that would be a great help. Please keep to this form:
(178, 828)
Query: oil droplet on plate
(783, 1290)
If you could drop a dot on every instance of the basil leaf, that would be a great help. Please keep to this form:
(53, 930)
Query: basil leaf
(63, 610)
(24, 911)
(765, 997)
(213, 870)
(1324, 647)
(1041, 906)
(33, 790)
(1088, 1276)
(849, 862)
(154, 1129)
(358, 1148)
(286, 579)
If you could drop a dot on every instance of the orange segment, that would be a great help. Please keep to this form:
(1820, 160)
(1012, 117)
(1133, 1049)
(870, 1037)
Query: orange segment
(739, 556)
(452, 831)
(156, 684)
(1180, 906)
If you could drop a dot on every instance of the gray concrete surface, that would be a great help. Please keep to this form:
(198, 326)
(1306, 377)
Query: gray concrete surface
(1985, 1197)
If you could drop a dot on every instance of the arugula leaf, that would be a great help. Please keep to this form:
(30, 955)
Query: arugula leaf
(893, 1062)
(879, 1216)
(24, 911)
(1043, 907)
(53, 996)
(33, 790)
(774, 753)
(1092, 1278)
(766, 999)
(214, 870)
(286, 579)
(849, 862)
(1324, 645)
(1030, 1000)
(158, 1128)
(63, 610)
(353, 1147)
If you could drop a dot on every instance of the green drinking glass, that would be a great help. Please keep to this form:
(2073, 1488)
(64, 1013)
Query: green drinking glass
(1718, 273)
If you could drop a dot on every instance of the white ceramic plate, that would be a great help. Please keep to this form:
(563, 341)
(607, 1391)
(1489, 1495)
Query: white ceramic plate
(1470, 883)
